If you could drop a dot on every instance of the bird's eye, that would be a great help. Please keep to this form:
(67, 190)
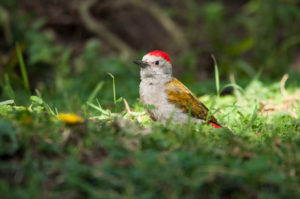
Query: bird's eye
(157, 62)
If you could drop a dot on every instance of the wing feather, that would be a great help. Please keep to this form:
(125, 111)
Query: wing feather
(184, 99)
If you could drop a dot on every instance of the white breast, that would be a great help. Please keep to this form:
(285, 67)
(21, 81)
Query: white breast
(152, 93)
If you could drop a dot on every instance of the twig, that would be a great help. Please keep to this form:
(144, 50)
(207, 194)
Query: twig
(166, 22)
(98, 28)
(159, 14)
(127, 107)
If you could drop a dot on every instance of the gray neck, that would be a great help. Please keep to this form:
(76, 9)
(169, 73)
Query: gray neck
(157, 78)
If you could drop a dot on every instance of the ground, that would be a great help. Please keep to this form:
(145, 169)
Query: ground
(99, 153)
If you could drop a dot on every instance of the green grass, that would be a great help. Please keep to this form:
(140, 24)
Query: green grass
(125, 155)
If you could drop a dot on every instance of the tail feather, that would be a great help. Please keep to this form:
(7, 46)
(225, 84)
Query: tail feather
(216, 125)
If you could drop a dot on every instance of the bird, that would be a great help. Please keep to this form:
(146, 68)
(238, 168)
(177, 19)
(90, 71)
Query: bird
(165, 97)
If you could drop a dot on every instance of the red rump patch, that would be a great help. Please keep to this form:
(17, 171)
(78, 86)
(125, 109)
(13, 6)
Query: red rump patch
(215, 125)
(162, 54)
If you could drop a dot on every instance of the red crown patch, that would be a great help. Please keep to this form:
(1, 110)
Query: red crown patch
(162, 54)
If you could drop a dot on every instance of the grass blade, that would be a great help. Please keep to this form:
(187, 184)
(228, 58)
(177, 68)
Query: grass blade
(234, 86)
(7, 102)
(114, 88)
(95, 91)
(23, 68)
(7, 87)
(217, 78)
(253, 118)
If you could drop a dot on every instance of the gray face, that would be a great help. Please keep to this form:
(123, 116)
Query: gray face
(152, 66)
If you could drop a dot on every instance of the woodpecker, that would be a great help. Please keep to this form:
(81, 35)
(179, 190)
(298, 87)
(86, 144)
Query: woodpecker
(166, 97)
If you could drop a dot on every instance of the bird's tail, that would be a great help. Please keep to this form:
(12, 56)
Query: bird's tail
(216, 125)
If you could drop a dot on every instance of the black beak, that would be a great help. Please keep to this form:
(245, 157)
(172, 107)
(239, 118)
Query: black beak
(141, 63)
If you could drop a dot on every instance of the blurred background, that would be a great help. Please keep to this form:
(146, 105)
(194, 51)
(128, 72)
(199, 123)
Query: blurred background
(69, 47)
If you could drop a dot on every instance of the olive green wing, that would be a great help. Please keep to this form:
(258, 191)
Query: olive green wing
(184, 99)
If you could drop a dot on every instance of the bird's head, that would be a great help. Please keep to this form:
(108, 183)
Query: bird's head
(155, 64)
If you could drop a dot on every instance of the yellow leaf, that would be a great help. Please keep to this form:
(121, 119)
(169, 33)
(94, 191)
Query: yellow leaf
(70, 118)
